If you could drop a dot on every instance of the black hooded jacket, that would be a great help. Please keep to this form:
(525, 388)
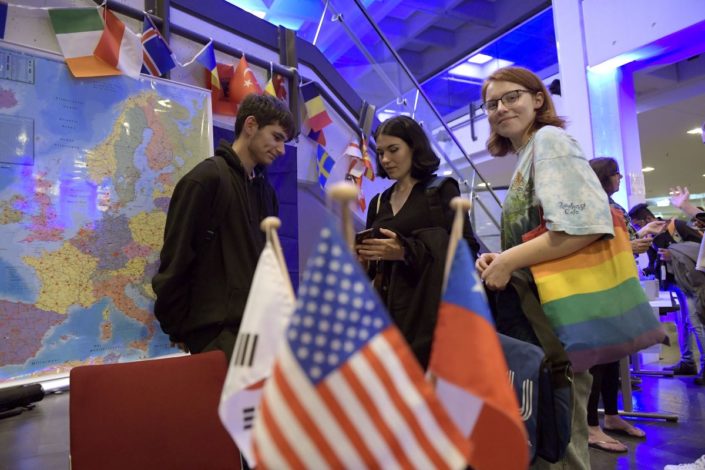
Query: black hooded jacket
(202, 286)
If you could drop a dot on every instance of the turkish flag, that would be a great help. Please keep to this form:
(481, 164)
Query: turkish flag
(243, 83)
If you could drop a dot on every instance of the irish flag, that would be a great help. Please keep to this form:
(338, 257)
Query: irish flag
(78, 31)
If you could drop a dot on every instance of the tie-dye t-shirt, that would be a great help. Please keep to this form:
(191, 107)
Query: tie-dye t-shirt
(562, 183)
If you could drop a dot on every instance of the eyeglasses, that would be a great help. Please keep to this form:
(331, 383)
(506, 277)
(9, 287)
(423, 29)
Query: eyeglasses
(507, 99)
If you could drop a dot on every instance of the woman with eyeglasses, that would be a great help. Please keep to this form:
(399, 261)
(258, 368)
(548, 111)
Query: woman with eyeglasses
(552, 181)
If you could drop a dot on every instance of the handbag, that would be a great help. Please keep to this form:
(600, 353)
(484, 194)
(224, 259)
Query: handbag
(541, 376)
(594, 301)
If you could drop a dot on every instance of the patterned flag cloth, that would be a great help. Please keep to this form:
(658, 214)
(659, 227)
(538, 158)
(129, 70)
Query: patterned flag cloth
(157, 55)
(346, 391)
(317, 136)
(478, 396)
(324, 165)
(366, 160)
(119, 46)
(318, 117)
(267, 312)
(243, 82)
(206, 57)
(78, 31)
(276, 86)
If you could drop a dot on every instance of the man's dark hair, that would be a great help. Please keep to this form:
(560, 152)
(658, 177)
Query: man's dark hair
(424, 162)
(640, 211)
(266, 110)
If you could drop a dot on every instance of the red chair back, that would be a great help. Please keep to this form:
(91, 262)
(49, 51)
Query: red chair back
(153, 414)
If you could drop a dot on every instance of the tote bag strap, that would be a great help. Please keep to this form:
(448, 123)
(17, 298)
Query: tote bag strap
(543, 330)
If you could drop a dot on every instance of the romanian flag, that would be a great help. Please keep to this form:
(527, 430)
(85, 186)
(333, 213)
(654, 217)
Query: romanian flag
(324, 165)
(206, 57)
(243, 82)
(158, 57)
(78, 32)
(119, 46)
(594, 301)
(471, 372)
(318, 117)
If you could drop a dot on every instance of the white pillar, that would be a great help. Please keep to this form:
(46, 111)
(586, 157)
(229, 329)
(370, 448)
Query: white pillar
(570, 42)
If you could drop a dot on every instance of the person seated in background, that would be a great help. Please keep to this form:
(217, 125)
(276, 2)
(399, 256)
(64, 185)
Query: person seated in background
(677, 231)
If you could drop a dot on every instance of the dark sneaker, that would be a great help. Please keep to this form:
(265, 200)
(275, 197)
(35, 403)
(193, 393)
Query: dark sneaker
(700, 380)
(682, 369)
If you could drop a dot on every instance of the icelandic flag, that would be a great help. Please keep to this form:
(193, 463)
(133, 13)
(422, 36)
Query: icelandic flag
(471, 372)
(158, 58)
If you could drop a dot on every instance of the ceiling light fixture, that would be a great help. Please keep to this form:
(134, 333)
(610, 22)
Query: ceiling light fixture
(480, 59)
(647, 169)
(697, 130)
(450, 172)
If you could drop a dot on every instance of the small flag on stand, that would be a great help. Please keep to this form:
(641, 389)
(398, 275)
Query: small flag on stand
(480, 398)
(206, 57)
(346, 390)
(267, 312)
(243, 82)
(78, 32)
(158, 57)
(318, 117)
(325, 165)
(119, 46)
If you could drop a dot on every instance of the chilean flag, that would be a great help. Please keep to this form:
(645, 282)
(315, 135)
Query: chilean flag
(471, 373)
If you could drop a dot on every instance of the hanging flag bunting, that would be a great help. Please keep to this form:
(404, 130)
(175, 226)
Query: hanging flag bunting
(269, 306)
(276, 86)
(480, 399)
(119, 46)
(346, 390)
(206, 57)
(324, 165)
(317, 136)
(78, 31)
(243, 82)
(318, 117)
(220, 97)
(366, 160)
(158, 57)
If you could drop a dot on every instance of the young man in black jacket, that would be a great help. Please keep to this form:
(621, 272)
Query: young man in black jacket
(205, 275)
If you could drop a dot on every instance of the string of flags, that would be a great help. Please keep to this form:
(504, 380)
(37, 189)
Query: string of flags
(96, 43)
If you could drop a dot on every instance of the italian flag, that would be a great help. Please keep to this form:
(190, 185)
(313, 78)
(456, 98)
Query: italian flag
(78, 31)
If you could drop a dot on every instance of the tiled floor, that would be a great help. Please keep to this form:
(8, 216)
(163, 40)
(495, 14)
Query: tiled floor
(39, 439)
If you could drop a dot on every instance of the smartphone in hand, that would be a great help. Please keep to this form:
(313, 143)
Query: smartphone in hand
(364, 235)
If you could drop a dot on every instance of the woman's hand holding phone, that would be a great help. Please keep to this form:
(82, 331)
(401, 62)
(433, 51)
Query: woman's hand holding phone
(379, 244)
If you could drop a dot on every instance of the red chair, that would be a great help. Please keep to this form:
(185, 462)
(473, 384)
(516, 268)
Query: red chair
(154, 414)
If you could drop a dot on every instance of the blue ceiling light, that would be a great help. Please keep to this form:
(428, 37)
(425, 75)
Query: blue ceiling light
(480, 59)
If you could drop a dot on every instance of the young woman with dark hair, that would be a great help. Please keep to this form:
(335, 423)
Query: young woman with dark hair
(410, 224)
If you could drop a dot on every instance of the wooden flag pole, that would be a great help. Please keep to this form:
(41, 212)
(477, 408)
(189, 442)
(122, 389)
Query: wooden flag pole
(345, 192)
(269, 226)
(461, 207)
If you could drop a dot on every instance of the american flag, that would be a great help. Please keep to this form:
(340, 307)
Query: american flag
(346, 391)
